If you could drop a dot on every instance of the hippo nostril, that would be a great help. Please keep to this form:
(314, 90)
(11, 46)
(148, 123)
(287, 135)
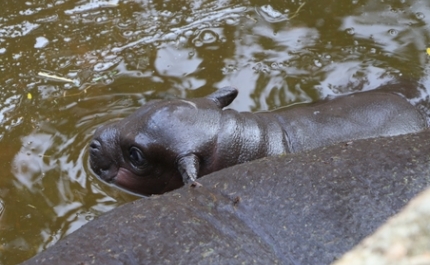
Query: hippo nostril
(95, 144)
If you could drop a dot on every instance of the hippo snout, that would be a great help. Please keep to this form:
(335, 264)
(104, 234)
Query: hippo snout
(101, 161)
(106, 172)
(96, 155)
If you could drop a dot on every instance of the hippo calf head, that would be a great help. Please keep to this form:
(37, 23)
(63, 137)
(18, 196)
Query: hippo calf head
(162, 145)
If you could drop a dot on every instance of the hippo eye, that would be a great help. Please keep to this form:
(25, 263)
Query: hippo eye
(136, 157)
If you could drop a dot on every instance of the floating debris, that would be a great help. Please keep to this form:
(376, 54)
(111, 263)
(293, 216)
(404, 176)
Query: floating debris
(58, 78)
(298, 10)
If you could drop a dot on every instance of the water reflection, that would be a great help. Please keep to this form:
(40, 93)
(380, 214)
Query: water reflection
(120, 54)
(28, 165)
(51, 166)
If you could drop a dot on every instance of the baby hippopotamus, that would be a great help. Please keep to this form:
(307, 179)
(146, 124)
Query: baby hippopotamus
(167, 143)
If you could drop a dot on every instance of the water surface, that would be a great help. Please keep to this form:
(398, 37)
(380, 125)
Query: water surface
(68, 66)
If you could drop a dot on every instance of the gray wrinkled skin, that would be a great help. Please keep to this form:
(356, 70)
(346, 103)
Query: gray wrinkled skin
(167, 143)
(303, 208)
(403, 240)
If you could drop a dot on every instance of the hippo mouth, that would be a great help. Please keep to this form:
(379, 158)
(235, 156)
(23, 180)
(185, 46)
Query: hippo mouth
(108, 175)
(125, 178)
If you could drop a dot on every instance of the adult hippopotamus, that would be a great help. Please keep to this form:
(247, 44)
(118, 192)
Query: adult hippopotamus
(303, 208)
(167, 143)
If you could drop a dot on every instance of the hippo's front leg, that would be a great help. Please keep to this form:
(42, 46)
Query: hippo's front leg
(188, 166)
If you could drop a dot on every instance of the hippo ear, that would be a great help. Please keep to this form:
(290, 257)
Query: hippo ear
(188, 166)
(224, 96)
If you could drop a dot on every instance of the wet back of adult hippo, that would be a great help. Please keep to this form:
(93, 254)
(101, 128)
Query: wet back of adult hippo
(306, 208)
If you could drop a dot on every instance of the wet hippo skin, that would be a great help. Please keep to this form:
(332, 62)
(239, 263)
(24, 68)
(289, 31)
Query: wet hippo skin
(170, 142)
(303, 208)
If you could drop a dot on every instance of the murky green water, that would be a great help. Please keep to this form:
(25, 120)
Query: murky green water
(117, 55)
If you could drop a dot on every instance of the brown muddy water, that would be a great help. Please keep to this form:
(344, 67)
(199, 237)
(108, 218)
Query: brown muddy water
(113, 56)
